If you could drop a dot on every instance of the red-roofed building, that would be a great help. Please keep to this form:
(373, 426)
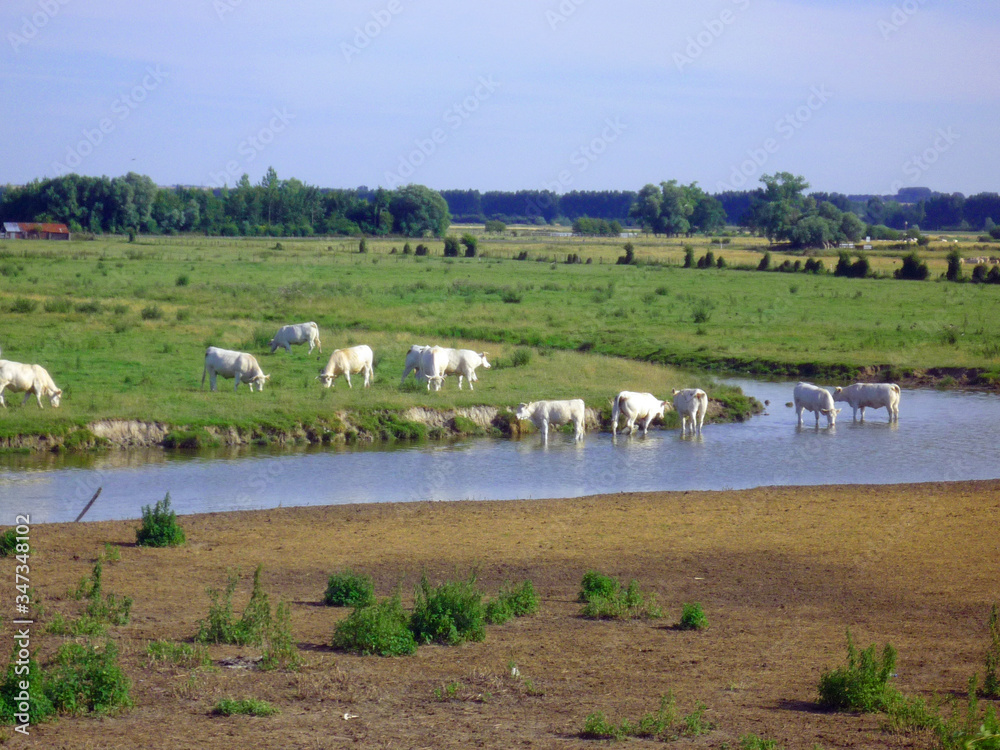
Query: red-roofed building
(30, 230)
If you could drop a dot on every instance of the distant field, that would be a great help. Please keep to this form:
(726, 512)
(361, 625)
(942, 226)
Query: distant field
(122, 327)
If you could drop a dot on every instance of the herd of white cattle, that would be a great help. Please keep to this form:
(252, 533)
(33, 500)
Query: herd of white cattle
(432, 364)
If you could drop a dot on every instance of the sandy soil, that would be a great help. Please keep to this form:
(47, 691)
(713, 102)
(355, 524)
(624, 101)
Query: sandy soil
(780, 572)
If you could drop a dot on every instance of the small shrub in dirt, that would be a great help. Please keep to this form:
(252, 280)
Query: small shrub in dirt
(753, 742)
(381, 629)
(605, 598)
(221, 627)
(692, 617)
(85, 679)
(244, 707)
(8, 544)
(449, 613)
(181, 654)
(348, 589)
(111, 608)
(512, 601)
(11, 695)
(664, 725)
(159, 526)
(863, 683)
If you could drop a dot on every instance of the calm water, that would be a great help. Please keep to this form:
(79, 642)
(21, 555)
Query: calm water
(941, 436)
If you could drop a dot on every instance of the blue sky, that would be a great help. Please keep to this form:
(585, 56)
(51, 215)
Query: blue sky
(863, 96)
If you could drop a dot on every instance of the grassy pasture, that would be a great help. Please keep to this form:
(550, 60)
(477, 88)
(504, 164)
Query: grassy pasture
(122, 327)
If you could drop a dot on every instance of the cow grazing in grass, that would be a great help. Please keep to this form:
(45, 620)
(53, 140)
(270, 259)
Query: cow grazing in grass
(29, 379)
(808, 397)
(297, 333)
(413, 362)
(637, 407)
(691, 404)
(347, 362)
(542, 414)
(240, 366)
(870, 396)
(434, 366)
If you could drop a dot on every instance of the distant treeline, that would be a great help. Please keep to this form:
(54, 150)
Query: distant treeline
(278, 207)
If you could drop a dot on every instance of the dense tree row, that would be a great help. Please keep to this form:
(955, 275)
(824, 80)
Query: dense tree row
(538, 206)
(673, 209)
(274, 207)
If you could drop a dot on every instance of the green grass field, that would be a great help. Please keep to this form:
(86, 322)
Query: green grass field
(122, 327)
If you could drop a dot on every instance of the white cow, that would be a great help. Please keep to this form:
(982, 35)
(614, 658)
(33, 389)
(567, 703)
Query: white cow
(870, 396)
(434, 366)
(545, 413)
(644, 407)
(347, 362)
(691, 404)
(413, 362)
(30, 379)
(464, 362)
(297, 333)
(807, 396)
(240, 366)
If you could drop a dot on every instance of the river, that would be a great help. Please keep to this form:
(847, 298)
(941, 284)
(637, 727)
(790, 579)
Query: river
(940, 436)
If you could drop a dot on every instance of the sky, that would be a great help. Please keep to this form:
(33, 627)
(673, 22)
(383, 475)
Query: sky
(857, 96)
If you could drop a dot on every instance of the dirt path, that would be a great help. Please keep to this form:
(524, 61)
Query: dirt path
(780, 572)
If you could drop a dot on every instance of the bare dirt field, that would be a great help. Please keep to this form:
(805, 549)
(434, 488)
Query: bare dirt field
(780, 572)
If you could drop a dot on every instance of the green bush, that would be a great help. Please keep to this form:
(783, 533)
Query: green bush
(100, 609)
(381, 628)
(151, 312)
(605, 598)
(512, 601)
(39, 705)
(159, 526)
(60, 305)
(449, 613)
(692, 617)
(863, 684)
(84, 679)
(244, 707)
(664, 725)
(8, 543)
(23, 305)
(348, 589)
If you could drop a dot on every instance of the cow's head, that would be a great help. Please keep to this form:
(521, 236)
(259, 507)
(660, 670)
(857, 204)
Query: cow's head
(326, 379)
(482, 356)
(831, 415)
(259, 381)
(436, 381)
(523, 412)
(55, 396)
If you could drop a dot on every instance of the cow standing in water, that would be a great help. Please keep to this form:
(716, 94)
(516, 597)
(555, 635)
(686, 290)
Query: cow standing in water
(870, 396)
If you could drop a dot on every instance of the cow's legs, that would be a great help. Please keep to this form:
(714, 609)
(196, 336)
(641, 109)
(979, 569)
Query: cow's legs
(2, 402)
(798, 411)
(211, 380)
(347, 375)
(862, 414)
(369, 375)
(545, 430)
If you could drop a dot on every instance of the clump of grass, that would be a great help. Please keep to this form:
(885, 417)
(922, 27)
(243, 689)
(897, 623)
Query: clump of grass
(181, 654)
(39, 704)
(512, 601)
(692, 617)
(381, 628)
(244, 707)
(521, 357)
(58, 305)
(753, 742)
(82, 625)
(665, 725)
(151, 312)
(257, 626)
(159, 526)
(85, 679)
(90, 308)
(605, 598)
(449, 613)
(100, 609)
(863, 683)
(23, 305)
(9, 545)
(111, 553)
(348, 589)
(183, 280)
(991, 682)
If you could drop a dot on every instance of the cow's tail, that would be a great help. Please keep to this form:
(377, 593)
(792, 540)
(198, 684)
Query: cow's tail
(895, 389)
(204, 372)
(616, 410)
